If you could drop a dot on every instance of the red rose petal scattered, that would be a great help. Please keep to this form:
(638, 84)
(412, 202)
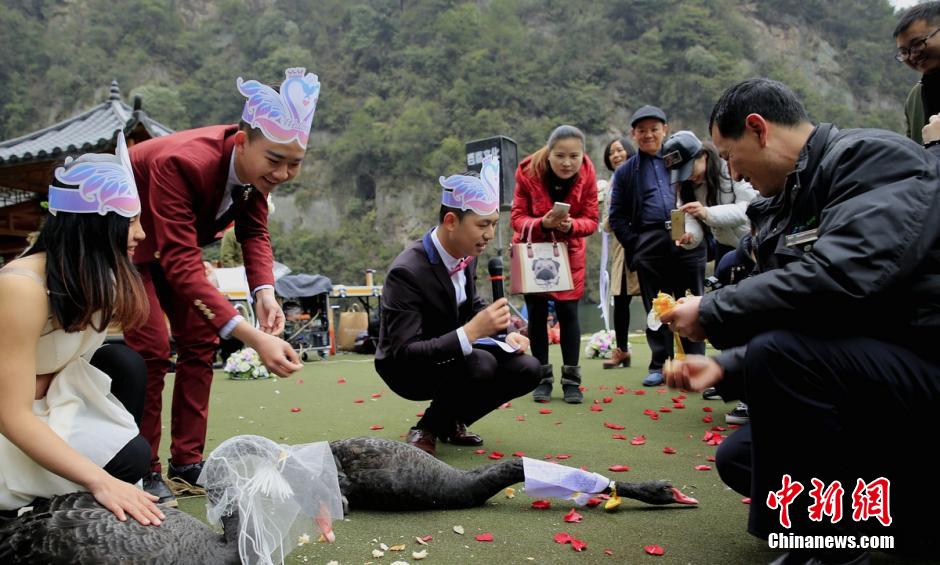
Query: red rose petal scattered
(358, 401)
(519, 454)
(520, 418)
(582, 388)
(710, 458)
(649, 412)
(654, 416)
(562, 537)
(734, 426)
(300, 381)
(707, 419)
(542, 504)
(485, 537)
(608, 552)
(596, 408)
(578, 545)
(703, 467)
(545, 410)
(639, 392)
(479, 451)
(654, 549)
(496, 455)
(746, 500)
(506, 405)
(613, 426)
(596, 401)
(718, 428)
(618, 436)
(427, 538)
(562, 456)
(618, 468)
(549, 456)
(341, 381)
(678, 406)
(603, 496)
(707, 409)
(592, 502)
(638, 440)
(295, 409)
(376, 427)
(420, 414)
(376, 395)
(669, 450)
(608, 399)
(665, 410)
(573, 516)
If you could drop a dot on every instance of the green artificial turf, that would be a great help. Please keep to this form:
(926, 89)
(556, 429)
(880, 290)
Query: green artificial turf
(713, 532)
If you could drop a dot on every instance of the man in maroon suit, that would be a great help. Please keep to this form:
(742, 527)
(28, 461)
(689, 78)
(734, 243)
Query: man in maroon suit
(192, 185)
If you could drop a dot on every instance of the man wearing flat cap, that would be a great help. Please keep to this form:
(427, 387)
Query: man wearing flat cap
(641, 203)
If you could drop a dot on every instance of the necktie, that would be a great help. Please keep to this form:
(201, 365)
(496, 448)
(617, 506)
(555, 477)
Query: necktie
(241, 192)
(461, 265)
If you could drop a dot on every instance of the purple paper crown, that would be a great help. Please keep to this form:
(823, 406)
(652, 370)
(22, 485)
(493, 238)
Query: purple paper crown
(286, 116)
(105, 184)
(465, 192)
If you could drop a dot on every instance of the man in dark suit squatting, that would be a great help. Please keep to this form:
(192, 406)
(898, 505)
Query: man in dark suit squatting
(432, 317)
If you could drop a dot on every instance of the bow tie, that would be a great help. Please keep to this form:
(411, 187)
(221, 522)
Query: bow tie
(242, 192)
(461, 265)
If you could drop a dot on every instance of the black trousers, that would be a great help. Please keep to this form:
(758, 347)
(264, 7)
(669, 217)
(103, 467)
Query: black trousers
(464, 389)
(567, 313)
(622, 313)
(662, 266)
(128, 374)
(837, 409)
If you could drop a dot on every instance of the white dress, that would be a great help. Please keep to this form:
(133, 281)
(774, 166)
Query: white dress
(78, 406)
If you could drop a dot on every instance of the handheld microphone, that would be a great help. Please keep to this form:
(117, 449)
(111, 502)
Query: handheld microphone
(495, 267)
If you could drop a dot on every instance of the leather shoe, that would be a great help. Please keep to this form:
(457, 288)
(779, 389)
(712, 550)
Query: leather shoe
(462, 436)
(423, 440)
(618, 358)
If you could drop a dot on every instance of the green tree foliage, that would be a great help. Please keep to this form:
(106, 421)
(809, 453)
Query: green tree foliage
(407, 83)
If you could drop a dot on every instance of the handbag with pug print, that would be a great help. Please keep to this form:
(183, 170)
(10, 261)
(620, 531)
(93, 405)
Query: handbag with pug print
(538, 267)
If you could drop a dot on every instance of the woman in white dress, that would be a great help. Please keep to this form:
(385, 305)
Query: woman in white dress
(62, 427)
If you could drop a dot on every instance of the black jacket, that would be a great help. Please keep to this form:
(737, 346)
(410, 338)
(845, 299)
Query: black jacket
(420, 318)
(873, 270)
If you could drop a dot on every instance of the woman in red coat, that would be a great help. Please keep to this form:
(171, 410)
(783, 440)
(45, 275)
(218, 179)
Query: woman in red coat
(558, 172)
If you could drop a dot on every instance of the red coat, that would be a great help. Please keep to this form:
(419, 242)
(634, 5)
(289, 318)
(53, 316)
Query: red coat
(532, 201)
(181, 179)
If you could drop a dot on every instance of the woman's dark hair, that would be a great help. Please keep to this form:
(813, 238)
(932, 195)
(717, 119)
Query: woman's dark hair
(88, 271)
(539, 163)
(626, 146)
(713, 176)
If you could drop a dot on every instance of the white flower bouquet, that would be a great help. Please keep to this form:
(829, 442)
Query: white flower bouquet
(245, 365)
(601, 344)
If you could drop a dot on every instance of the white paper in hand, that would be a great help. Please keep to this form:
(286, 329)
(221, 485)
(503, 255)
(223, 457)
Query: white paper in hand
(500, 344)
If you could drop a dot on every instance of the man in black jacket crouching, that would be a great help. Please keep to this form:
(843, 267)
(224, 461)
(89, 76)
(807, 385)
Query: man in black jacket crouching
(833, 344)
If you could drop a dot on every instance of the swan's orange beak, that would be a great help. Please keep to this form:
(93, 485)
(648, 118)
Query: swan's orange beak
(679, 497)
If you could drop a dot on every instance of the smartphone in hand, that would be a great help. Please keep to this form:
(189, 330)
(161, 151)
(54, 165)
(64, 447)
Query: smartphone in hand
(560, 209)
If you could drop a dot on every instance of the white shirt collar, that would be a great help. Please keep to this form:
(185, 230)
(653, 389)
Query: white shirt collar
(233, 179)
(449, 261)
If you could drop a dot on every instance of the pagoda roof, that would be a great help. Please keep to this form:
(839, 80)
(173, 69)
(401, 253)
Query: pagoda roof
(89, 131)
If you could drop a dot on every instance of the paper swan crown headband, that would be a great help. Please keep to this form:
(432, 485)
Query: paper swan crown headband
(286, 116)
(479, 194)
(105, 184)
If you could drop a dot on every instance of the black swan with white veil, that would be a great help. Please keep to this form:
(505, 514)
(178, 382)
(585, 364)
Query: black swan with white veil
(263, 494)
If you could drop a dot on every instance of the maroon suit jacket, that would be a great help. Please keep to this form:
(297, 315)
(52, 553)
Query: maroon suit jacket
(181, 179)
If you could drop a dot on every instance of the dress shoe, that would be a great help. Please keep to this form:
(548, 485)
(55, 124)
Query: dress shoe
(462, 436)
(618, 358)
(183, 479)
(153, 484)
(423, 440)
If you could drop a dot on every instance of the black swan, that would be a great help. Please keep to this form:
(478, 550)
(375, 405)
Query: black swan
(376, 474)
